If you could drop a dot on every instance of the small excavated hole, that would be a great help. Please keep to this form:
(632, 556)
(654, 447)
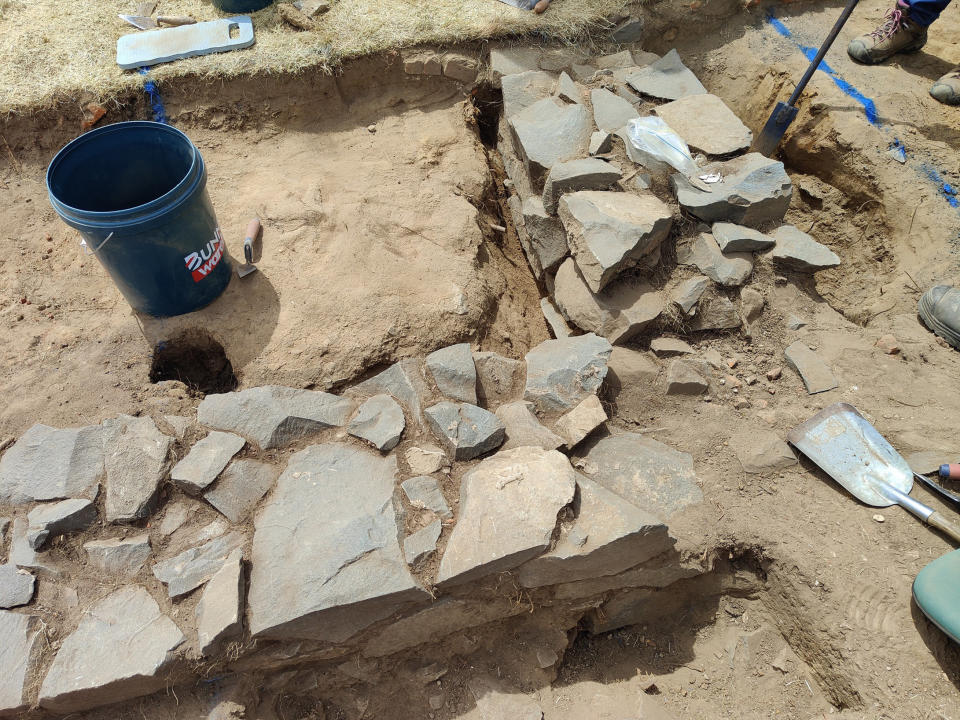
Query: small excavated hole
(195, 359)
(488, 103)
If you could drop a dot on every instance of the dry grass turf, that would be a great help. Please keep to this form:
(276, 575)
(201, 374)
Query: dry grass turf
(55, 51)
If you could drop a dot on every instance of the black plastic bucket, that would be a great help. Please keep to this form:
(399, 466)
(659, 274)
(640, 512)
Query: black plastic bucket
(241, 6)
(137, 193)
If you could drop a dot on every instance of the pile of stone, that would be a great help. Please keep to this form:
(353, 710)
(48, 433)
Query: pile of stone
(360, 540)
(592, 210)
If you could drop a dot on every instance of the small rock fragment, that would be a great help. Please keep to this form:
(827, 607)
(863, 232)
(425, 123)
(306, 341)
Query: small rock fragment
(498, 378)
(421, 544)
(567, 89)
(667, 347)
(560, 373)
(573, 175)
(48, 521)
(622, 59)
(556, 322)
(136, 461)
(426, 460)
(751, 304)
(549, 132)
(667, 78)
(685, 379)
(737, 238)
(523, 429)
(454, 372)
(628, 31)
(122, 557)
(466, 431)
(795, 250)
(600, 142)
(889, 344)
(762, 451)
(403, 381)
(728, 270)
(548, 241)
(424, 491)
(611, 112)
(816, 376)
(511, 61)
(240, 488)
(688, 293)
(879, 518)
(774, 373)
(581, 421)
(192, 568)
(219, 610)
(16, 589)
(380, 421)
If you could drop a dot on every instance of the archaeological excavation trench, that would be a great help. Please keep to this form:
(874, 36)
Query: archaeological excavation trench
(496, 428)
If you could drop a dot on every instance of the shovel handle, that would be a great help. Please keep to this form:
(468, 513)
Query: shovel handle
(944, 525)
(815, 63)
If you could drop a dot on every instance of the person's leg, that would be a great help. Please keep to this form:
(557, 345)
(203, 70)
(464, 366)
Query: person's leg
(899, 33)
(925, 12)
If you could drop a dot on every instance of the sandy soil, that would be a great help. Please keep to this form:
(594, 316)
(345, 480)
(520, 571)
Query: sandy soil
(827, 625)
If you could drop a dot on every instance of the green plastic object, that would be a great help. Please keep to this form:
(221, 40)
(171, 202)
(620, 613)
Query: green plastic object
(937, 592)
(241, 6)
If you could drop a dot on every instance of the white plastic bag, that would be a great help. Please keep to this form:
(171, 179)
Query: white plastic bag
(652, 138)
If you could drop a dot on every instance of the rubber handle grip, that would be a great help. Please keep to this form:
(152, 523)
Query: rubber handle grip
(253, 229)
(175, 20)
(945, 525)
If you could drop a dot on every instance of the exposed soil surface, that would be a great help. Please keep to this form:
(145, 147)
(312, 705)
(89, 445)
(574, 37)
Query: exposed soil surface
(378, 244)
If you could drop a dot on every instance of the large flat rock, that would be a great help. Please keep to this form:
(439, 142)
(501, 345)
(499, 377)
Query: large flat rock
(240, 488)
(728, 269)
(618, 312)
(19, 633)
(523, 89)
(561, 372)
(609, 232)
(326, 558)
(667, 78)
(548, 132)
(573, 175)
(508, 512)
(16, 586)
(611, 112)
(608, 536)
(754, 191)
(118, 556)
(135, 456)
(205, 461)
(59, 518)
(380, 422)
(192, 568)
(795, 250)
(274, 416)
(118, 651)
(707, 124)
(51, 464)
(466, 431)
(219, 612)
(653, 476)
(453, 370)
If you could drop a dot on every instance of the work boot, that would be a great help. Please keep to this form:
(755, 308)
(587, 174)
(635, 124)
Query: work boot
(947, 88)
(898, 34)
(939, 308)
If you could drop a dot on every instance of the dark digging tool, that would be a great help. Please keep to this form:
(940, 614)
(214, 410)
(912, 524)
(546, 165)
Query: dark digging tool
(851, 451)
(253, 230)
(784, 113)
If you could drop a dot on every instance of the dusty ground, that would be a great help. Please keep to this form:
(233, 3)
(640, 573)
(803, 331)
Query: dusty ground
(830, 628)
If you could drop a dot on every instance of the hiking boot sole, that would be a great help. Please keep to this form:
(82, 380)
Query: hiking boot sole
(925, 309)
(860, 53)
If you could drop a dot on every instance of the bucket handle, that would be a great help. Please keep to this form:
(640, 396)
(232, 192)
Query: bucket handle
(88, 251)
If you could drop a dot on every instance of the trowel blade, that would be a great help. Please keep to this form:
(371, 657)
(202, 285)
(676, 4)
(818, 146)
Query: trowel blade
(141, 22)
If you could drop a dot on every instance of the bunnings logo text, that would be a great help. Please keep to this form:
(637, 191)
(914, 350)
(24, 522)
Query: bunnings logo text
(202, 263)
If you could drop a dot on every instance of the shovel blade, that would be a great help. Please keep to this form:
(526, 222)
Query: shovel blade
(772, 133)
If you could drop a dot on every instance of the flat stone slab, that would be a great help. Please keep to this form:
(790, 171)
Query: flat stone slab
(426, 459)
(667, 347)
(816, 375)
(600, 142)
(274, 416)
(608, 536)
(508, 512)
(523, 89)
(618, 312)
(59, 518)
(334, 505)
(16, 586)
(573, 175)
(683, 378)
(687, 293)
(380, 422)
(755, 190)
(19, 633)
(192, 568)
(135, 457)
(240, 488)
(647, 473)
(205, 461)
(555, 319)
(512, 61)
(498, 378)
(761, 451)
(23, 555)
(716, 313)
(581, 421)
(418, 546)
(466, 431)
(548, 240)
(560, 373)
(219, 610)
(524, 429)
(51, 464)
(423, 491)
(795, 250)
(611, 112)
(667, 78)
(454, 372)
(119, 556)
(707, 124)
(609, 232)
(403, 381)
(118, 651)
(737, 238)
(549, 132)
(568, 90)
(727, 269)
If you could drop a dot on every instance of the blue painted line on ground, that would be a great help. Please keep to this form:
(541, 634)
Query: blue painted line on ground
(156, 102)
(944, 189)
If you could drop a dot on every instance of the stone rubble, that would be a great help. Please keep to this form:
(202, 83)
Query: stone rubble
(135, 458)
(611, 112)
(380, 420)
(737, 238)
(498, 378)
(453, 370)
(688, 292)
(274, 416)
(122, 557)
(404, 381)
(240, 488)
(50, 464)
(466, 431)
(816, 375)
(205, 461)
(426, 459)
(600, 142)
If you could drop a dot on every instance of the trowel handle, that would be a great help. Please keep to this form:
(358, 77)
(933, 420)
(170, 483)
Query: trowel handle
(945, 525)
(253, 229)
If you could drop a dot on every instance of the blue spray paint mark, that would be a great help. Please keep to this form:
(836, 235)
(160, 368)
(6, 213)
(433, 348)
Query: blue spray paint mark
(156, 103)
(945, 189)
(810, 53)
